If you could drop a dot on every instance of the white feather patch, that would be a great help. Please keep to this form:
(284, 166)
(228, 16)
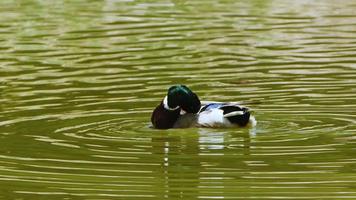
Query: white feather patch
(165, 104)
(212, 118)
(235, 113)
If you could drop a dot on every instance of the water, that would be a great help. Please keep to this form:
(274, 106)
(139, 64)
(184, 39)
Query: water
(79, 80)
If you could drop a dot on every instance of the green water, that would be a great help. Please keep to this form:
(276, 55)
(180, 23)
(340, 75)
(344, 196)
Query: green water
(79, 79)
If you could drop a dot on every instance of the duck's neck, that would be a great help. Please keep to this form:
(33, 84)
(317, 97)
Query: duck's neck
(163, 117)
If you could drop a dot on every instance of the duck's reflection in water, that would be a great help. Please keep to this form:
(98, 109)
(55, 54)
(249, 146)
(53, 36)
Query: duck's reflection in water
(194, 159)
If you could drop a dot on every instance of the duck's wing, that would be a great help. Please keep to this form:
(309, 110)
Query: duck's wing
(236, 114)
(231, 110)
(216, 114)
(206, 105)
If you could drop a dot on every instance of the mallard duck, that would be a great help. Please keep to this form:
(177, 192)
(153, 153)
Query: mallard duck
(181, 108)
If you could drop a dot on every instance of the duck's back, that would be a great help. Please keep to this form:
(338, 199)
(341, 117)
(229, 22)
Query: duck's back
(223, 115)
(215, 115)
(212, 118)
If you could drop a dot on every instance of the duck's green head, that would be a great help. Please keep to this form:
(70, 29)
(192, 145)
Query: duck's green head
(182, 96)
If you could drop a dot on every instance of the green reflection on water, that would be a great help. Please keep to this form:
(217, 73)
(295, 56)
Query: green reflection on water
(79, 80)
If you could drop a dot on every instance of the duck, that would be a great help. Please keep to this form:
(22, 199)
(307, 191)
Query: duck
(182, 108)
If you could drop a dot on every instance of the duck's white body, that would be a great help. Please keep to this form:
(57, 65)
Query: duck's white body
(214, 115)
(213, 118)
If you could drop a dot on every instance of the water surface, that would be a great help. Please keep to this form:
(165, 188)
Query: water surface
(79, 80)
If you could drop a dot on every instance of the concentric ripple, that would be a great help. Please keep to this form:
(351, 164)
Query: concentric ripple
(79, 80)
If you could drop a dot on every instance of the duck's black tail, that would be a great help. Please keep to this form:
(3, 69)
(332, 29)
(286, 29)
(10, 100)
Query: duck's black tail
(236, 114)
